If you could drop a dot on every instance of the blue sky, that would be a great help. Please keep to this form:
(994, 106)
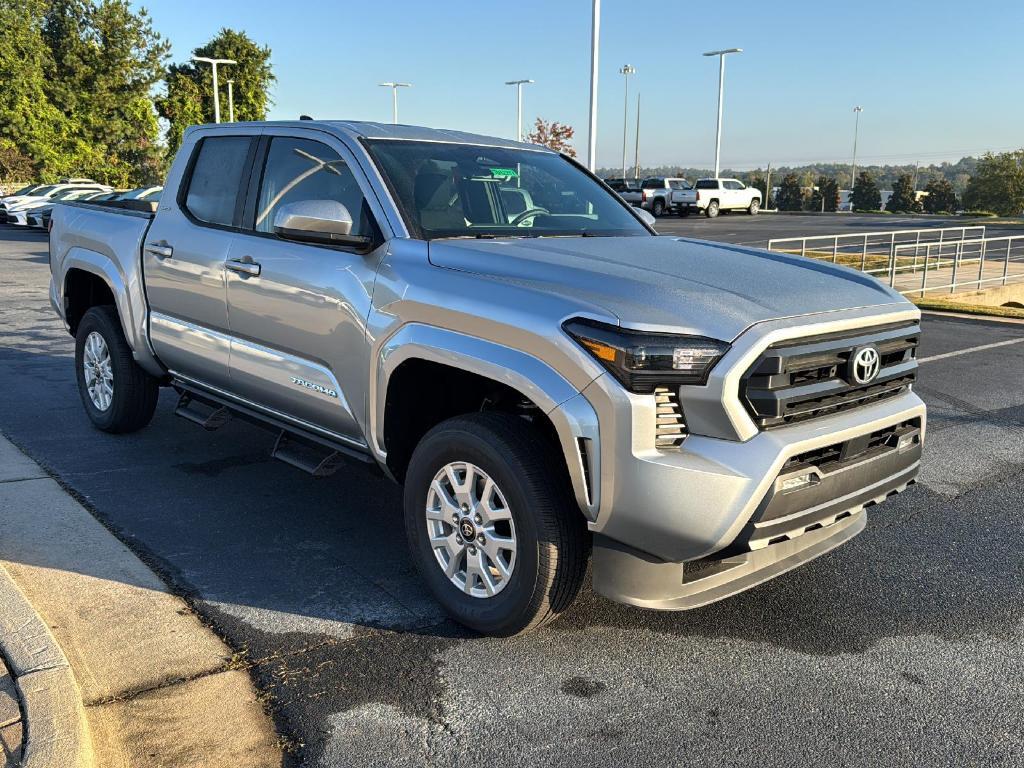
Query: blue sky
(937, 80)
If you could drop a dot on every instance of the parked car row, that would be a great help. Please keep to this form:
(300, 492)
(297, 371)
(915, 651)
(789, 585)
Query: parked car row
(708, 196)
(32, 206)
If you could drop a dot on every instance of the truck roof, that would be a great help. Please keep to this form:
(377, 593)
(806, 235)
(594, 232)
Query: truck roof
(369, 130)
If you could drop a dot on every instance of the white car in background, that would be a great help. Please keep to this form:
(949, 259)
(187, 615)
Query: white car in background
(712, 196)
(17, 213)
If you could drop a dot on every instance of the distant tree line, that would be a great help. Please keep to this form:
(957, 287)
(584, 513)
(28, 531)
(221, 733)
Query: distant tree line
(84, 83)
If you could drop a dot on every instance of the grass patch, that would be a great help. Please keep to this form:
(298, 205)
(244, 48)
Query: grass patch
(947, 305)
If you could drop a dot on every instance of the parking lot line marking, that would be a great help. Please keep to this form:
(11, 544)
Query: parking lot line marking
(967, 351)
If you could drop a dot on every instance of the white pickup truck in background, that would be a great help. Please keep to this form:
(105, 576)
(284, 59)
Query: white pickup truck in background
(656, 193)
(711, 196)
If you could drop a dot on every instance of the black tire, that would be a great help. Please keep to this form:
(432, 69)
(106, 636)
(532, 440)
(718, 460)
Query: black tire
(658, 207)
(552, 552)
(684, 211)
(135, 392)
(712, 210)
(755, 206)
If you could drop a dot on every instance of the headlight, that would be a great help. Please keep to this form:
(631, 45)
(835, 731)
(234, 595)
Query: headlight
(643, 361)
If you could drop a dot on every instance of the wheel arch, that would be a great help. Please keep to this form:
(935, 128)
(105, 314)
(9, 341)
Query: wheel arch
(507, 379)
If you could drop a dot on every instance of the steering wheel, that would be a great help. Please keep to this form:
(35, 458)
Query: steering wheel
(529, 213)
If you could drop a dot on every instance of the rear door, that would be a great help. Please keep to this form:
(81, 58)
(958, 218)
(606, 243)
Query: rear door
(298, 310)
(184, 255)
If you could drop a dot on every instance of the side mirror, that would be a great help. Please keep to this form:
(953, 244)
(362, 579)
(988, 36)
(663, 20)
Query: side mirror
(646, 216)
(317, 221)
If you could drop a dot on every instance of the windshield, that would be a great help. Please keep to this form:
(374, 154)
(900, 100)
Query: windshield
(26, 190)
(64, 194)
(457, 190)
(43, 191)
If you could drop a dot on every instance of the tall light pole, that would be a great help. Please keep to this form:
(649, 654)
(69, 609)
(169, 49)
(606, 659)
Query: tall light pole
(216, 93)
(636, 148)
(626, 71)
(595, 43)
(394, 97)
(519, 105)
(853, 172)
(231, 101)
(721, 90)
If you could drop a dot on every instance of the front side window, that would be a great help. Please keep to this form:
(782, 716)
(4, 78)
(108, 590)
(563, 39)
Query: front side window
(301, 169)
(459, 190)
(216, 180)
(732, 184)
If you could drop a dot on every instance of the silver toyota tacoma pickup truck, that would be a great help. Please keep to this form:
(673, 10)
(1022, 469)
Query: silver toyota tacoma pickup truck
(488, 324)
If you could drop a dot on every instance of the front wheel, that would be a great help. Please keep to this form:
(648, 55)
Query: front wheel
(755, 206)
(117, 394)
(491, 525)
(712, 210)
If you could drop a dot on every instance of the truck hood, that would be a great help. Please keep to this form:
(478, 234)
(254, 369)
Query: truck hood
(669, 283)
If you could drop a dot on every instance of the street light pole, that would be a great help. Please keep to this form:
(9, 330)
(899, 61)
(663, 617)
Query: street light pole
(216, 93)
(853, 172)
(394, 97)
(595, 41)
(636, 149)
(626, 71)
(721, 90)
(519, 105)
(231, 101)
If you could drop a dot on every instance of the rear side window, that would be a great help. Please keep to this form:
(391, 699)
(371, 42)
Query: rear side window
(301, 169)
(656, 183)
(216, 181)
(707, 184)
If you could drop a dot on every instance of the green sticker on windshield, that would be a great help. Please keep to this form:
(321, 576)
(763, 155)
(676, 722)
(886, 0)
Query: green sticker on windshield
(504, 173)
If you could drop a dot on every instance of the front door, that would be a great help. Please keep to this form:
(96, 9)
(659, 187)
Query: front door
(297, 311)
(184, 256)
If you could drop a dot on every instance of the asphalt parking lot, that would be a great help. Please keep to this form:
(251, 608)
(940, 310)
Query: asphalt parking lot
(905, 647)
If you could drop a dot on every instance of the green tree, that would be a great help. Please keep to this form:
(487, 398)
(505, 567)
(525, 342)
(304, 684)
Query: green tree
(15, 166)
(903, 199)
(189, 94)
(791, 196)
(760, 183)
(998, 184)
(866, 196)
(941, 198)
(825, 196)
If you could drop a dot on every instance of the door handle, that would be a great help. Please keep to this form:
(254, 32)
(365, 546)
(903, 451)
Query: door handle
(159, 250)
(249, 268)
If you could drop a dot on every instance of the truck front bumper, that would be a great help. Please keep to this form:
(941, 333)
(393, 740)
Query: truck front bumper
(716, 517)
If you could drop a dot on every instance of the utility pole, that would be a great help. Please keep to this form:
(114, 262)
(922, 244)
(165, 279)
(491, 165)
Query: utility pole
(595, 44)
(519, 105)
(626, 71)
(853, 173)
(721, 90)
(394, 97)
(636, 149)
(216, 93)
(231, 101)
(768, 186)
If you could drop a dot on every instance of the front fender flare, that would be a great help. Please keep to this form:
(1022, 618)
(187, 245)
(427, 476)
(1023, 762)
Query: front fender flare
(573, 417)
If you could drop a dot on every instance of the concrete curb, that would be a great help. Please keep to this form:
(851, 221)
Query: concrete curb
(55, 730)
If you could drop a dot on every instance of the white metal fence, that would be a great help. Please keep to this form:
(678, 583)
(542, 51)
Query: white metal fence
(957, 265)
(871, 252)
(916, 261)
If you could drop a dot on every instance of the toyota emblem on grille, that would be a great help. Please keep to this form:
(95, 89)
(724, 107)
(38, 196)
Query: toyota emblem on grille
(864, 365)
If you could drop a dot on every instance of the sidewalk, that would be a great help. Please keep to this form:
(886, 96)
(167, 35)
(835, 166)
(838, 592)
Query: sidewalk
(10, 720)
(132, 676)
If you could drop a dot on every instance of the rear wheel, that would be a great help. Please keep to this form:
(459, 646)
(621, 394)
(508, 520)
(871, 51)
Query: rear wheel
(491, 525)
(712, 210)
(658, 207)
(755, 206)
(117, 394)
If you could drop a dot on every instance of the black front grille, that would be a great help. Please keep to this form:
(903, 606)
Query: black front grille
(808, 378)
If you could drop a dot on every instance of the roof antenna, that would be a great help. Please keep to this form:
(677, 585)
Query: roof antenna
(305, 117)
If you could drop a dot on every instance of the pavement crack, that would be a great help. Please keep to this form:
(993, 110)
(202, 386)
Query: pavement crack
(163, 685)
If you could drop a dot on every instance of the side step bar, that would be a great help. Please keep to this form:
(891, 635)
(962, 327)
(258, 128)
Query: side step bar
(309, 457)
(318, 455)
(216, 418)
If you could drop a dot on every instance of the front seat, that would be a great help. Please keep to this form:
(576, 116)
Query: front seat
(433, 194)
